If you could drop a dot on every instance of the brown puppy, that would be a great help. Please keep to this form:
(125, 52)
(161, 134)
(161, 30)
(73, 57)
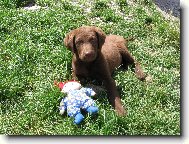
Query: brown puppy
(96, 55)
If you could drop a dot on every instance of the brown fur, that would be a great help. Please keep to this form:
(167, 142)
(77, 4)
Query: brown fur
(97, 55)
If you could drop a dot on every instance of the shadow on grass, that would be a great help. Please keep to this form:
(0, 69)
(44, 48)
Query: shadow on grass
(24, 3)
(8, 97)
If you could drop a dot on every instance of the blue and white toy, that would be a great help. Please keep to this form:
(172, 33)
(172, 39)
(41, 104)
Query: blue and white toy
(77, 98)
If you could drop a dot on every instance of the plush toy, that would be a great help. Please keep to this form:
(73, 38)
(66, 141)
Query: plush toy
(77, 98)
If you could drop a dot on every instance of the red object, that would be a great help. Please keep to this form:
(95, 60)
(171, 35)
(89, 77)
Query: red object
(60, 85)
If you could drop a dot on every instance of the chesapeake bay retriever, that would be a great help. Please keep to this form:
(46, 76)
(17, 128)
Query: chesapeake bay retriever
(97, 55)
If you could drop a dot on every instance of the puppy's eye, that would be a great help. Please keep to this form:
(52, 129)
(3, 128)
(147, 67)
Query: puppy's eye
(80, 42)
(92, 40)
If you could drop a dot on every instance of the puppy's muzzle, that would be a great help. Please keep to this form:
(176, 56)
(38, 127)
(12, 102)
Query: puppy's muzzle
(89, 56)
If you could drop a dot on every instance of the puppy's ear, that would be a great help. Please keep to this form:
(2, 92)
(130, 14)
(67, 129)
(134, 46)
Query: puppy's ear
(69, 40)
(101, 36)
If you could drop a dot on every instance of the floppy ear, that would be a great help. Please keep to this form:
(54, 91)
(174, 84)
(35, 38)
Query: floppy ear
(69, 40)
(101, 36)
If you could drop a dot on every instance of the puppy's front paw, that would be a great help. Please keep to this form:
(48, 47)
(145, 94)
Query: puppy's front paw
(120, 111)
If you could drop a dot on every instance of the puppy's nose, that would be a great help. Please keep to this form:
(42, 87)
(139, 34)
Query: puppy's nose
(89, 54)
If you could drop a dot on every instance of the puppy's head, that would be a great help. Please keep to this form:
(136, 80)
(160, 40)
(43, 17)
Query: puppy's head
(85, 42)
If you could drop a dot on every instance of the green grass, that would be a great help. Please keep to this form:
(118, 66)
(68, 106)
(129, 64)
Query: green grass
(32, 56)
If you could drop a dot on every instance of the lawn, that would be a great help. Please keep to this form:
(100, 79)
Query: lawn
(32, 56)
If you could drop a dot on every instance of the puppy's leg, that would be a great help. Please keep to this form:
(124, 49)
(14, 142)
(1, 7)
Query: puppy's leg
(139, 72)
(113, 96)
(78, 77)
(129, 60)
(79, 72)
(104, 75)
